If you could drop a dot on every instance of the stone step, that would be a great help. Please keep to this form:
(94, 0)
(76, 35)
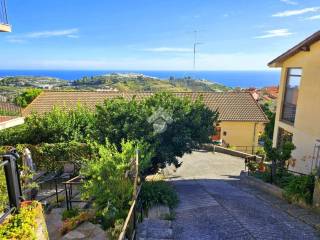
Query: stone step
(157, 223)
(155, 229)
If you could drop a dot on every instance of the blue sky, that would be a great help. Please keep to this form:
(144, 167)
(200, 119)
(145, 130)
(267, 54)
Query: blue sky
(153, 35)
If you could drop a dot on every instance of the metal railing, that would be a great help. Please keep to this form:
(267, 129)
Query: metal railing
(247, 149)
(3, 12)
(268, 166)
(12, 178)
(71, 194)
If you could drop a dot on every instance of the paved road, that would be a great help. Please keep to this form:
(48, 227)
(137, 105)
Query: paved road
(214, 206)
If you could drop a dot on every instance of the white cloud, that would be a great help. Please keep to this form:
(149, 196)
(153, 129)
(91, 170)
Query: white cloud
(289, 2)
(70, 33)
(205, 61)
(56, 33)
(296, 12)
(316, 17)
(276, 33)
(168, 50)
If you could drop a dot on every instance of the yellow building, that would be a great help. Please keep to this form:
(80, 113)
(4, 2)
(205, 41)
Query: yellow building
(298, 115)
(241, 118)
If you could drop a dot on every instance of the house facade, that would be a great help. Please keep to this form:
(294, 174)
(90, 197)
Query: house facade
(298, 115)
(241, 120)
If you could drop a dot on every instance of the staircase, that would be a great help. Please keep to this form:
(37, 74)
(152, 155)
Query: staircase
(154, 229)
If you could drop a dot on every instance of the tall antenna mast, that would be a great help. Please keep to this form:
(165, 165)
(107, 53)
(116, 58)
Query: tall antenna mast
(195, 48)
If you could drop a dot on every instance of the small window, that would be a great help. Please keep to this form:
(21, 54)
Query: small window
(224, 133)
(290, 100)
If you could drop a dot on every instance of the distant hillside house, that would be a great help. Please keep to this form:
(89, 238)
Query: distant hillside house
(241, 118)
(298, 115)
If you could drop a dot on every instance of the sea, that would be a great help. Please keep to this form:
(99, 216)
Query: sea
(243, 79)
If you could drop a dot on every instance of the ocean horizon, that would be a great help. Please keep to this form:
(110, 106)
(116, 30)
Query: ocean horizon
(243, 79)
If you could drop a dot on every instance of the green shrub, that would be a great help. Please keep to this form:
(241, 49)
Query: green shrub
(23, 224)
(27, 97)
(296, 188)
(264, 176)
(52, 156)
(172, 125)
(114, 232)
(4, 199)
(72, 223)
(66, 214)
(109, 181)
(158, 192)
(300, 188)
(59, 125)
(252, 166)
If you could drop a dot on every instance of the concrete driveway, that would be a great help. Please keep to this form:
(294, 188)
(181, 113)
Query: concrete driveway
(207, 165)
(213, 204)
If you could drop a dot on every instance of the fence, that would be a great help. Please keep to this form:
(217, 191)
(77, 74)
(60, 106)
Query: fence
(13, 186)
(9, 109)
(247, 149)
(254, 164)
(135, 214)
(71, 193)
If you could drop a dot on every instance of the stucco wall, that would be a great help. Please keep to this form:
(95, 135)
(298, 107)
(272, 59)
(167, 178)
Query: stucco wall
(241, 133)
(307, 124)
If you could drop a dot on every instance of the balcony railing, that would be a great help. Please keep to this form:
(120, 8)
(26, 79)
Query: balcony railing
(4, 25)
(289, 112)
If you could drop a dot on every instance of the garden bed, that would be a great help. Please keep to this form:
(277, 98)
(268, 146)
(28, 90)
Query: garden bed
(29, 223)
(292, 188)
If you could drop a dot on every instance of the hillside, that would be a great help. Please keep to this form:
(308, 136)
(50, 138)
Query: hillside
(10, 87)
(139, 82)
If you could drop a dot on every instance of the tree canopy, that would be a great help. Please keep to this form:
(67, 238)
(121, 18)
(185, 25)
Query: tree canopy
(169, 125)
(27, 97)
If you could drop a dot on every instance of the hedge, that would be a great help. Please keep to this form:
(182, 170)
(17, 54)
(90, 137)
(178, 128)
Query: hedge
(52, 156)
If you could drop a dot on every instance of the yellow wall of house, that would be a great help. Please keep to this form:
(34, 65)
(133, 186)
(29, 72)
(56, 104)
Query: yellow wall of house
(241, 133)
(306, 129)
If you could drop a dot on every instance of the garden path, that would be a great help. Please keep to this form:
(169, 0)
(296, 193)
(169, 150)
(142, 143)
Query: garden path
(214, 205)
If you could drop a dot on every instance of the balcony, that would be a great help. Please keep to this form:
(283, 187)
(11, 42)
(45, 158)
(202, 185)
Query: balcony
(4, 24)
(5, 27)
(289, 113)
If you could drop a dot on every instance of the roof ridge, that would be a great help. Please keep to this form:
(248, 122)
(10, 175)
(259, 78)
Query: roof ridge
(265, 116)
(121, 92)
(295, 49)
(233, 106)
(23, 110)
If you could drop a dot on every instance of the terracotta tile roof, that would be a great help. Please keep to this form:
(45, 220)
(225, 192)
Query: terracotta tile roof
(232, 106)
(6, 118)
